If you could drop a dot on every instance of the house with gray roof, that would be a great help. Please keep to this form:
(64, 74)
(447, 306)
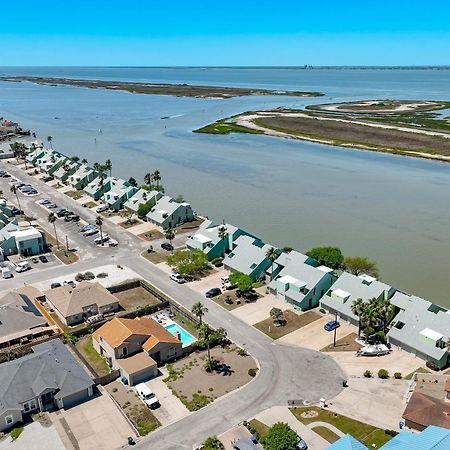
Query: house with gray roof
(96, 189)
(50, 161)
(207, 239)
(35, 154)
(301, 282)
(168, 213)
(20, 321)
(81, 177)
(120, 191)
(142, 197)
(348, 288)
(25, 241)
(421, 328)
(48, 378)
(248, 256)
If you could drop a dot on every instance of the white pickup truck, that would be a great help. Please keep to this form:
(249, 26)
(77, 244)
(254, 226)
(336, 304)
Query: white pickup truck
(147, 396)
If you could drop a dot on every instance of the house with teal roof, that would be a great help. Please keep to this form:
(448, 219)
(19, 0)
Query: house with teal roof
(67, 168)
(432, 438)
(208, 241)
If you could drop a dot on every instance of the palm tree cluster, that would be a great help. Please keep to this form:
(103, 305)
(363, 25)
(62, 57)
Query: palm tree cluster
(151, 178)
(375, 313)
(20, 151)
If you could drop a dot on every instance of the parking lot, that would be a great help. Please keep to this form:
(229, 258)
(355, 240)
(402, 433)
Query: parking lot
(36, 263)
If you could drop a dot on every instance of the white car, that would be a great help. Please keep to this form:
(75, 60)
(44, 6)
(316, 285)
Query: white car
(23, 266)
(90, 232)
(147, 396)
(177, 277)
(99, 240)
(101, 208)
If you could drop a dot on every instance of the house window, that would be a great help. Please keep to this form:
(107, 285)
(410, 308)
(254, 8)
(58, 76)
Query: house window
(124, 351)
(172, 351)
(9, 420)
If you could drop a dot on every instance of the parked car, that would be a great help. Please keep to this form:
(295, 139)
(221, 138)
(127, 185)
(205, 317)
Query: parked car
(177, 277)
(167, 246)
(61, 212)
(214, 292)
(43, 259)
(52, 205)
(301, 444)
(75, 218)
(101, 208)
(23, 266)
(32, 192)
(112, 243)
(101, 239)
(147, 396)
(6, 272)
(226, 283)
(16, 212)
(332, 325)
(86, 228)
(94, 319)
(55, 285)
(44, 202)
(48, 178)
(70, 283)
(91, 232)
(35, 260)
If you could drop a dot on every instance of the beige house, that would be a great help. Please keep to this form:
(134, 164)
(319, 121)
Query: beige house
(136, 346)
(75, 305)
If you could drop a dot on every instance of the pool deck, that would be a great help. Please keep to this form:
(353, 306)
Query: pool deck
(167, 323)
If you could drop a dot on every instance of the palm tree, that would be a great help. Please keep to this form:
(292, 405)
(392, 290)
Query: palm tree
(52, 219)
(199, 310)
(108, 166)
(101, 183)
(271, 255)
(358, 308)
(386, 311)
(170, 236)
(84, 161)
(205, 334)
(99, 223)
(223, 234)
(157, 178)
(148, 178)
(49, 140)
(33, 134)
(370, 317)
(14, 191)
(276, 314)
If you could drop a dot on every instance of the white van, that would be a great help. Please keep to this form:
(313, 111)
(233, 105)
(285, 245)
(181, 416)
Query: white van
(147, 396)
(6, 272)
(23, 266)
(98, 241)
(226, 283)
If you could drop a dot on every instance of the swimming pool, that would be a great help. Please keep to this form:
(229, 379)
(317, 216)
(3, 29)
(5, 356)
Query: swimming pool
(186, 338)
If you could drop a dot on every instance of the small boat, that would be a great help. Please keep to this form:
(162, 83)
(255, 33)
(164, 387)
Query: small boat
(373, 350)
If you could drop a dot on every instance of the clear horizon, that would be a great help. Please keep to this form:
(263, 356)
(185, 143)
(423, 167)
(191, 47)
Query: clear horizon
(287, 33)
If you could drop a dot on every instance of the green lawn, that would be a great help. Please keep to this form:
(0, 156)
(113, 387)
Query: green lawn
(363, 432)
(85, 347)
(255, 425)
(419, 370)
(326, 433)
(221, 127)
(75, 194)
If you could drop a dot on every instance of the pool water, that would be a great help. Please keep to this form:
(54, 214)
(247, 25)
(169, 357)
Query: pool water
(186, 338)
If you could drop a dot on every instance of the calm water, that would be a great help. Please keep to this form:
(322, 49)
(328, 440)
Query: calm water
(393, 209)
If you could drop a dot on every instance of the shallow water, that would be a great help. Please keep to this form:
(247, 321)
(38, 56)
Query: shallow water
(393, 209)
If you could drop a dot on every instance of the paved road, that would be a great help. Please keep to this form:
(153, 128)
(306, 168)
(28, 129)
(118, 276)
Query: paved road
(285, 372)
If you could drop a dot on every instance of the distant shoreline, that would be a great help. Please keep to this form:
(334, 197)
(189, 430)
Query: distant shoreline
(178, 90)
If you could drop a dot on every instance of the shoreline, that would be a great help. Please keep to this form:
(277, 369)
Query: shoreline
(253, 123)
(177, 90)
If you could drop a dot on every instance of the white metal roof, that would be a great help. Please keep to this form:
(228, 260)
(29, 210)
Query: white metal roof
(431, 334)
(325, 269)
(203, 239)
(341, 293)
(367, 278)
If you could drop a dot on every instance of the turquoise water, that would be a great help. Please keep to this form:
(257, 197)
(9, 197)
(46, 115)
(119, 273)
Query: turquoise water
(186, 338)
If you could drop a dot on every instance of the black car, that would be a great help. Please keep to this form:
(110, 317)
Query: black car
(55, 285)
(43, 259)
(16, 212)
(61, 212)
(214, 292)
(167, 246)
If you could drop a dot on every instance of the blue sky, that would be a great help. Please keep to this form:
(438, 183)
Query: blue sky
(197, 32)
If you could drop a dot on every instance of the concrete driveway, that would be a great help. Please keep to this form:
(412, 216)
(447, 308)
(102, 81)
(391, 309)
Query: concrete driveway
(171, 409)
(282, 414)
(255, 312)
(33, 437)
(314, 336)
(396, 361)
(96, 424)
(209, 282)
(233, 435)
(371, 400)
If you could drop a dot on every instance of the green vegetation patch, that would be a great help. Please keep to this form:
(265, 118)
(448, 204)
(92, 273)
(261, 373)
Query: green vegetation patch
(16, 432)
(85, 347)
(326, 433)
(363, 432)
(225, 127)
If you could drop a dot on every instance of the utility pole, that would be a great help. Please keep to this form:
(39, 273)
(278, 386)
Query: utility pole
(335, 330)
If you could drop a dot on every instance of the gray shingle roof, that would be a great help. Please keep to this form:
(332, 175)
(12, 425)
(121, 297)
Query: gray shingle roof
(18, 313)
(420, 319)
(349, 288)
(49, 366)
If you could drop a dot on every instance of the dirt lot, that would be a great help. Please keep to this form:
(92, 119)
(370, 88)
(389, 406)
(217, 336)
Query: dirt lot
(136, 298)
(135, 409)
(344, 344)
(293, 322)
(342, 132)
(196, 387)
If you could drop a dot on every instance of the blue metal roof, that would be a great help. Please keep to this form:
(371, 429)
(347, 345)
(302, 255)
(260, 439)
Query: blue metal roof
(432, 438)
(347, 442)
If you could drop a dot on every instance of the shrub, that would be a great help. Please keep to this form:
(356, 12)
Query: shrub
(217, 262)
(89, 276)
(383, 374)
(381, 336)
(16, 432)
(257, 285)
(212, 443)
(398, 375)
(242, 352)
(102, 275)
(392, 433)
(323, 311)
(431, 365)
(252, 372)
(367, 374)
(79, 277)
